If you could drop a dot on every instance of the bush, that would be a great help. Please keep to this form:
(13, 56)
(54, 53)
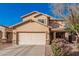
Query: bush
(78, 46)
(60, 47)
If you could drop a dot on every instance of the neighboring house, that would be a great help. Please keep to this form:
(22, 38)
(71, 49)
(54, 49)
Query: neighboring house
(3, 33)
(37, 29)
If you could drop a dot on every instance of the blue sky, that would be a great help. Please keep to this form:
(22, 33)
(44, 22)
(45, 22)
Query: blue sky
(10, 13)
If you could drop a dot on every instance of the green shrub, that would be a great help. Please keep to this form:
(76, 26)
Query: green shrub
(77, 46)
(56, 49)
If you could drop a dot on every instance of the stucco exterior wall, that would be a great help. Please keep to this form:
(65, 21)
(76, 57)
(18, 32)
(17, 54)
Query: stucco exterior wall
(60, 23)
(44, 18)
(36, 18)
(31, 27)
(3, 30)
(30, 17)
(36, 27)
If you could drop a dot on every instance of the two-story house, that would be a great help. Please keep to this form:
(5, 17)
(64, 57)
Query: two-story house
(37, 29)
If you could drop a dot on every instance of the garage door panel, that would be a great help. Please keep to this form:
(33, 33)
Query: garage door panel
(32, 38)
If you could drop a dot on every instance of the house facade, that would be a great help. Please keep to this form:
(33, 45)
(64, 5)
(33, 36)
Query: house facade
(3, 34)
(36, 29)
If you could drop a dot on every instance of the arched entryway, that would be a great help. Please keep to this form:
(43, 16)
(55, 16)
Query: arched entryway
(9, 36)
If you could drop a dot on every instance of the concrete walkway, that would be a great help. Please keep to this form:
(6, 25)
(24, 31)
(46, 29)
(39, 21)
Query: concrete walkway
(29, 50)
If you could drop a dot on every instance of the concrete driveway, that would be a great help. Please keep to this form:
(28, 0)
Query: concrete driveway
(29, 50)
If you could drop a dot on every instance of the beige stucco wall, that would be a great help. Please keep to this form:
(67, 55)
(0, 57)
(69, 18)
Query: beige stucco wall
(31, 27)
(31, 17)
(60, 23)
(44, 18)
(3, 29)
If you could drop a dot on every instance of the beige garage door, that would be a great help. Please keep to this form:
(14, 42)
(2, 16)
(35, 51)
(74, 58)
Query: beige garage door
(32, 38)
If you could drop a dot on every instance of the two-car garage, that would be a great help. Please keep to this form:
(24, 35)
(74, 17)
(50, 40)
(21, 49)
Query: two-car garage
(32, 38)
(31, 33)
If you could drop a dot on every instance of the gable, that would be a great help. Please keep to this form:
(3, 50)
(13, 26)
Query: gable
(32, 26)
(29, 16)
(42, 19)
(41, 16)
(34, 15)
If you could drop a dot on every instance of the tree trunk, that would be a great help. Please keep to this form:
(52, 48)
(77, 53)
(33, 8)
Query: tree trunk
(77, 36)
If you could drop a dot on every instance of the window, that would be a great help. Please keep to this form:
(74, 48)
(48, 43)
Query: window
(55, 26)
(60, 34)
(41, 20)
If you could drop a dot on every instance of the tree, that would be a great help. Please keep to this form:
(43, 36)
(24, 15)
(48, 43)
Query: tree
(70, 13)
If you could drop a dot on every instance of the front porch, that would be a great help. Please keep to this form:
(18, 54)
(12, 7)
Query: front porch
(57, 35)
(71, 39)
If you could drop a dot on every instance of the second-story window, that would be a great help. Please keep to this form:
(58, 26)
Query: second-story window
(41, 20)
(55, 26)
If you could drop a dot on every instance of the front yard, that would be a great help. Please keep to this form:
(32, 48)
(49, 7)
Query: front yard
(63, 48)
